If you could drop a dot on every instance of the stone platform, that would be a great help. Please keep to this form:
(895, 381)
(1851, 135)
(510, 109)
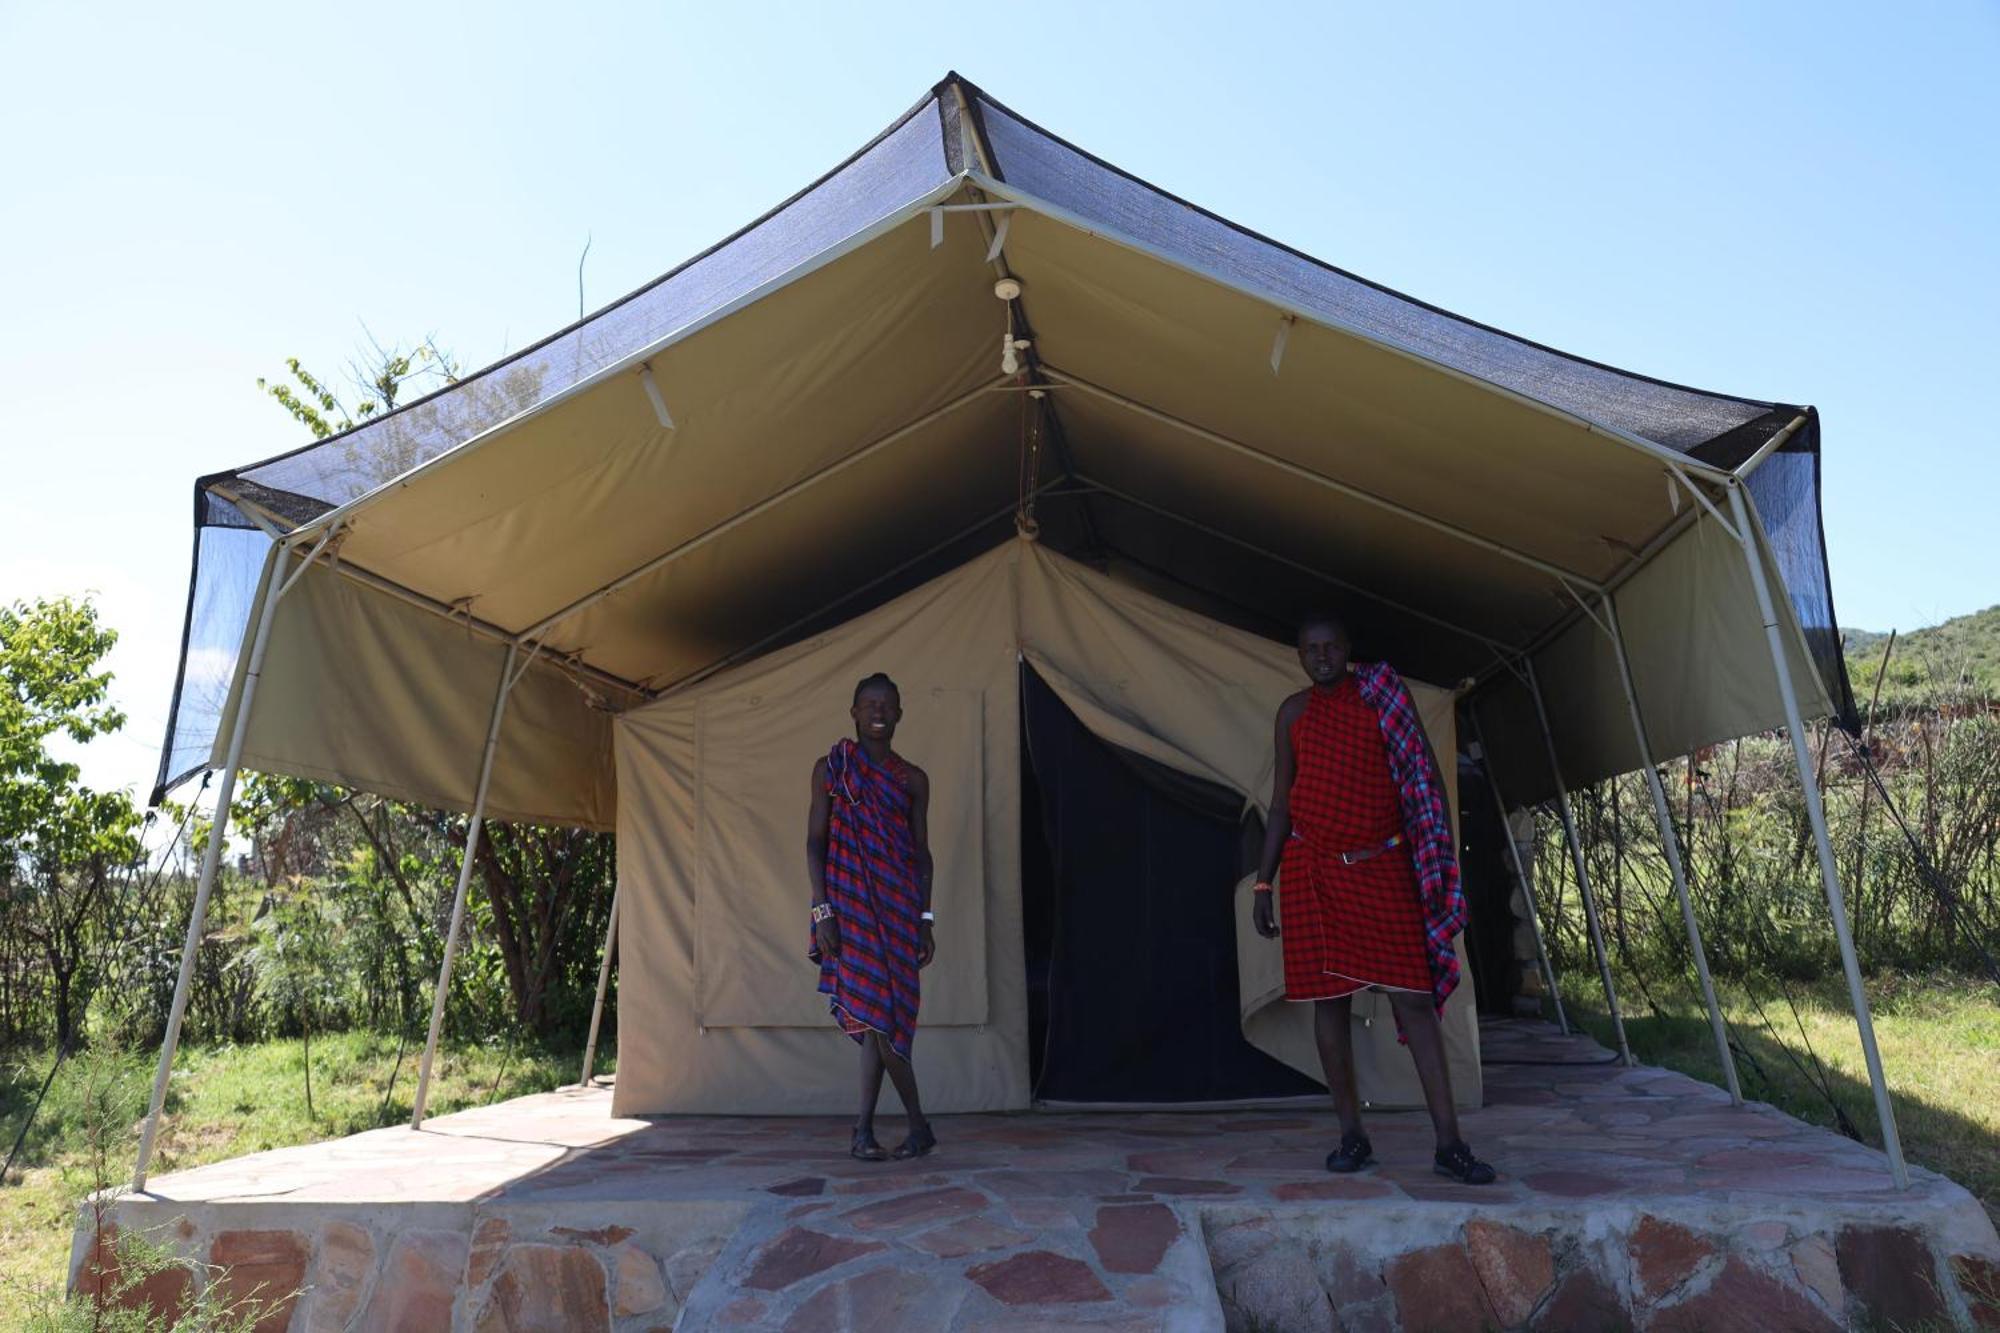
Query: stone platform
(1627, 1198)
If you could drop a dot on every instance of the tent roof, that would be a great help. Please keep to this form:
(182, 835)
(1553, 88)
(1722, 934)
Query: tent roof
(811, 416)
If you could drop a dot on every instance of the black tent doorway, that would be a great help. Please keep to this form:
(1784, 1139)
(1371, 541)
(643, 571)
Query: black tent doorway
(1130, 937)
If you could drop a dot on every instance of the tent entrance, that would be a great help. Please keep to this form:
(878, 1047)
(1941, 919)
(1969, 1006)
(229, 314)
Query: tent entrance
(1126, 870)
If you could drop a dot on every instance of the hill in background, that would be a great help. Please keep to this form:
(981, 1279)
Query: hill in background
(1967, 646)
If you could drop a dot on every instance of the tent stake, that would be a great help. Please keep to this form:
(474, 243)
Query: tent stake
(472, 831)
(1670, 839)
(603, 983)
(275, 583)
(1584, 890)
(1547, 964)
(1892, 1142)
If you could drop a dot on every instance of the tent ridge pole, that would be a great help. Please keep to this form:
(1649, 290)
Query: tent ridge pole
(1892, 1141)
(471, 853)
(1670, 840)
(1770, 446)
(486, 629)
(1547, 964)
(1056, 213)
(275, 583)
(1290, 563)
(769, 502)
(1584, 889)
(723, 663)
(1321, 479)
(805, 268)
(603, 984)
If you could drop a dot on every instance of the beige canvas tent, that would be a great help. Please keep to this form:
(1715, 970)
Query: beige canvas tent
(721, 1015)
(518, 597)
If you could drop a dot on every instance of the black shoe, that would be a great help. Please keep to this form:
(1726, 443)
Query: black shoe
(1354, 1152)
(1456, 1160)
(919, 1144)
(865, 1148)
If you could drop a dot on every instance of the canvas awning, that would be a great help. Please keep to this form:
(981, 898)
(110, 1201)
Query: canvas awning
(813, 416)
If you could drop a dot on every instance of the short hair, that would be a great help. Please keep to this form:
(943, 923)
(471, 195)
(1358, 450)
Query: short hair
(879, 678)
(1325, 620)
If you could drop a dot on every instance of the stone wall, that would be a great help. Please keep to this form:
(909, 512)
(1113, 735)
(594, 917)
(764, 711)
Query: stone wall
(1610, 1268)
(329, 1268)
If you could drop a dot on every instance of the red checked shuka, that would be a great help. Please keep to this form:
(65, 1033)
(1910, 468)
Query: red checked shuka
(1354, 910)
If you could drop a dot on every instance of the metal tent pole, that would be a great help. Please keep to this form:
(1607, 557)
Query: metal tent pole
(1670, 839)
(1582, 874)
(274, 588)
(603, 984)
(472, 831)
(1892, 1142)
(1548, 965)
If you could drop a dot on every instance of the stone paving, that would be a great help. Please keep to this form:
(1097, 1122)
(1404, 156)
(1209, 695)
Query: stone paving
(1628, 1198)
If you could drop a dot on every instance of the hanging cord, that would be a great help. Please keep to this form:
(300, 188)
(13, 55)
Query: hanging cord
(1028, 467)
(1972, 930)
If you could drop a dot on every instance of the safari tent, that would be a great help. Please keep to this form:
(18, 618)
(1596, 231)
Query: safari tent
(1067, 456)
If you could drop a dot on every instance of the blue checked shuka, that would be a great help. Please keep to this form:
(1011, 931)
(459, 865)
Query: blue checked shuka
(872, 882)
(1426, 822)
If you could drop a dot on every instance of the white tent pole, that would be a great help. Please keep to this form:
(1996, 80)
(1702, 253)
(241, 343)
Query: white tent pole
(1359, 591)
(1892, 1142)
(702, 538)
(1770, 446)
(1548, 964)
(1582, 873)
(984, 181)
(472, 831)
(750, 650)
(1320, 479)
(1670, 840)
(603, 984)
(632, 360)
(274, 588)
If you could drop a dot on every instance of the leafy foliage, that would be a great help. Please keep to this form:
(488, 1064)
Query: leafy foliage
(62, 845)
(1963, 653)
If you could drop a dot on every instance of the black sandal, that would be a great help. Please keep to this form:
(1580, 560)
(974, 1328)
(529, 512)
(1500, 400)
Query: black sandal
(1354, 1152)
(1455, 1159)
(919, 1144)
(865, 1148)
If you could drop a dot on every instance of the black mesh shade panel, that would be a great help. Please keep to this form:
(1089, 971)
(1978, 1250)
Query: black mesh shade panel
(1128, 908)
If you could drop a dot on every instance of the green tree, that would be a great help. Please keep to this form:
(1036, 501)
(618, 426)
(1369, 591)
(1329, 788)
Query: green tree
(62, 844)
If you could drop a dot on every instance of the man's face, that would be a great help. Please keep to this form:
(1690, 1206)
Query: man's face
(876, 712)
(1323, 653)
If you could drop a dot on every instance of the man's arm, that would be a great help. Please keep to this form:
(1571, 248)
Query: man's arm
(827, 932)
(920, 838)
(1278, 826)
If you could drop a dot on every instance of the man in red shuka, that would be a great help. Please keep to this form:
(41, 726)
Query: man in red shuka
(1369, 878)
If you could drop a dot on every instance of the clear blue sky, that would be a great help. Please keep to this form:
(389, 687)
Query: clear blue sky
(1789, 201)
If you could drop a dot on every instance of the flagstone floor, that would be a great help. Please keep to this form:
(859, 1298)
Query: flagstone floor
(1627, 1197)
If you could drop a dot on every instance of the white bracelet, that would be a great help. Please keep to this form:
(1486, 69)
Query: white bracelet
(926, 916)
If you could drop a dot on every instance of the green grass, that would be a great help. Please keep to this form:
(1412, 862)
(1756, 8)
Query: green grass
(225, 1101)
(1940, 1044)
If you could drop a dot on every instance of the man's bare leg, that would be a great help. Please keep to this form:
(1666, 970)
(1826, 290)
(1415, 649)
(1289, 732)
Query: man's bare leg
(1426, 1040)
(871, 1090)
(904, 1077)
(1333, 1033)
(920, 1139)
